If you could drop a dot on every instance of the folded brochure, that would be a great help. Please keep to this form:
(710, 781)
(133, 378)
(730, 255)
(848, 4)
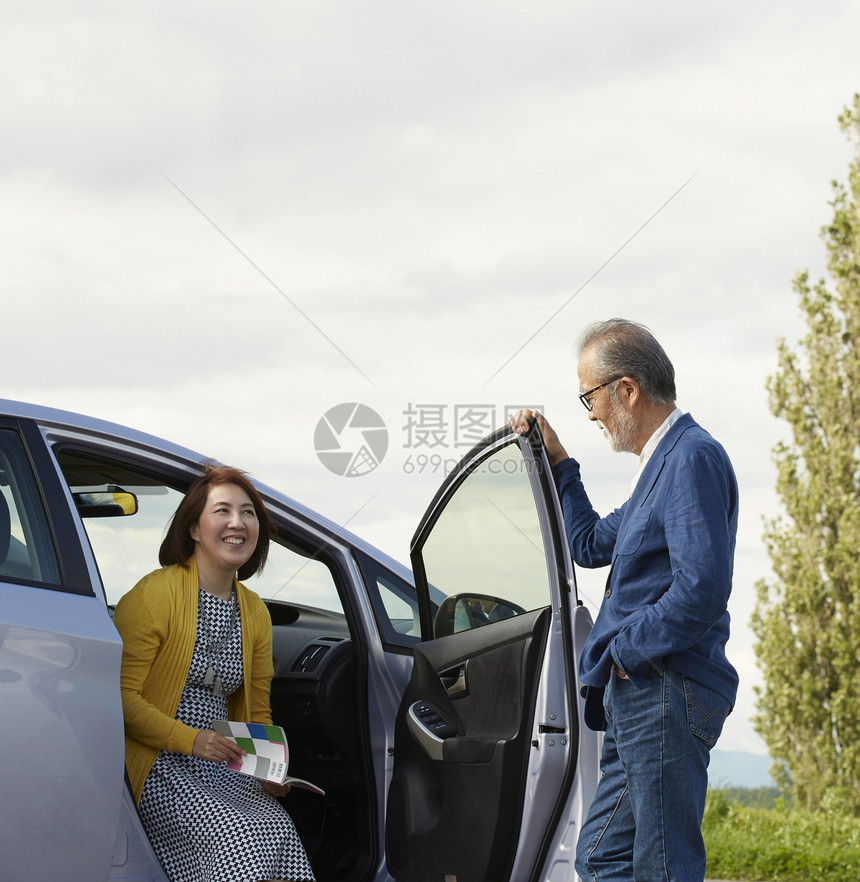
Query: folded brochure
(267, 755)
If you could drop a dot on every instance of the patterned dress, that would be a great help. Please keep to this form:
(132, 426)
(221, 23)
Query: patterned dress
(207, 823)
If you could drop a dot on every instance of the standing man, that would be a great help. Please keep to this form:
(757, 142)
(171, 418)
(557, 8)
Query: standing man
(655, 666)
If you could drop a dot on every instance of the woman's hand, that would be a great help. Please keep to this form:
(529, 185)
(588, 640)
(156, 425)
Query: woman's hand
(275, 789)
(216, 748)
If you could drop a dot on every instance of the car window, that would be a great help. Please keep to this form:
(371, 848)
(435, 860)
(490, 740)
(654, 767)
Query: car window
(26, 546)
(293, 575)
(395, 604)
(125, 546)
(402, 613)
(485, 552)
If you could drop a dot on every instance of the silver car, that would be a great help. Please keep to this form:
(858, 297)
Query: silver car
(440, 711)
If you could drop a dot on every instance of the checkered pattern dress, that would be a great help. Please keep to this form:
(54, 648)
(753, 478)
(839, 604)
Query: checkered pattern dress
(207, 823)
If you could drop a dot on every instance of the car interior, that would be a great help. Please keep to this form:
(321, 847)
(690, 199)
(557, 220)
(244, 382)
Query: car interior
(317, 689)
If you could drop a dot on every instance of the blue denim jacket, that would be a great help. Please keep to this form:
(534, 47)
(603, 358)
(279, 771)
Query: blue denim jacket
(671, 550)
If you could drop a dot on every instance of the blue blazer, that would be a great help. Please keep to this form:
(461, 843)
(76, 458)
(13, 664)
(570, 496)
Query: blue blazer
(671, 549)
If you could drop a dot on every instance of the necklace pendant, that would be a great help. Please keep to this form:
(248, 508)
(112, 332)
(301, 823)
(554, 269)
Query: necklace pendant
(209, 678)
(216, 689)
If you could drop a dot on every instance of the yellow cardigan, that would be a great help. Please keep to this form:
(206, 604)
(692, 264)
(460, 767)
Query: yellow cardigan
(157, 621)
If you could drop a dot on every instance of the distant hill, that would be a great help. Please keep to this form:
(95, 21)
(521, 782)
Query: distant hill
(736, 768)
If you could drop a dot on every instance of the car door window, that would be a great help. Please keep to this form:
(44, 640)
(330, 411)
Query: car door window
(395, 605)
(126, 543)
(26, 546)
(485, 553)
(293, 575)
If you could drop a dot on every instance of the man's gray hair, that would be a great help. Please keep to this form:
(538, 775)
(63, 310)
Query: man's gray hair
(627, 349)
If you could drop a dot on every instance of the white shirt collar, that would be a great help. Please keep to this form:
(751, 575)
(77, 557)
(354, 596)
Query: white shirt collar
(652, 442)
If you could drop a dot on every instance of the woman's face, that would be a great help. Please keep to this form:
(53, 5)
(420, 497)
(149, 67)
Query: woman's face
(226, 534)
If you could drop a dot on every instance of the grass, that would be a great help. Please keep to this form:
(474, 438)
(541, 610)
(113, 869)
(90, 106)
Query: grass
(778, 844)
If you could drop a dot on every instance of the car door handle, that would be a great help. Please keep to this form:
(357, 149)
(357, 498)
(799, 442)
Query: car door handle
(456, 684)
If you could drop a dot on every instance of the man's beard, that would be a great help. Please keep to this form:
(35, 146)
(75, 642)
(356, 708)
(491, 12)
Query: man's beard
(622, 438)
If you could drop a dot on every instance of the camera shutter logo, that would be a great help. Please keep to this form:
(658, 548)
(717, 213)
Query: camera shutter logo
(351, 439)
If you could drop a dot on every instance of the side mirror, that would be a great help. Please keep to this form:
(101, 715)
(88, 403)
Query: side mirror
(112, 503)
(462, 612)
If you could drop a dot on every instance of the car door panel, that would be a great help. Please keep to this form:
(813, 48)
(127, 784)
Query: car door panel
(59, 668)
(59, 673)
(472, 773)
(497, 679)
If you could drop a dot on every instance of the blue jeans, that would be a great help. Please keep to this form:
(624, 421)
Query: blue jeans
(645, 822)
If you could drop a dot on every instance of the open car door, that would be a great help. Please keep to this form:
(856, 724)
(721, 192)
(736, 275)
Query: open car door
(493, 769)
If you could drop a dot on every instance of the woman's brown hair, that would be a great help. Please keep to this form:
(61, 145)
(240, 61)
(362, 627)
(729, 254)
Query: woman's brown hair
(178, 545)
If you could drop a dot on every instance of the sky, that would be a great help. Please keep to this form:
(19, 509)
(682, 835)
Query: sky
(220, 221)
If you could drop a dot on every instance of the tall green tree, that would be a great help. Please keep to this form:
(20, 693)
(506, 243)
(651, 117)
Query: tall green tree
(807, 616)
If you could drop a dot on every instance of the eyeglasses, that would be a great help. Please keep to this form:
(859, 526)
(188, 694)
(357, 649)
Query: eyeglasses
(583, 396)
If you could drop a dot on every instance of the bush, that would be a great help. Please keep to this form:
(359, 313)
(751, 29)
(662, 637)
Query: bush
(781, 844)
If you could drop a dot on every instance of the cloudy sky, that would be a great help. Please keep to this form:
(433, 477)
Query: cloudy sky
(221, 220)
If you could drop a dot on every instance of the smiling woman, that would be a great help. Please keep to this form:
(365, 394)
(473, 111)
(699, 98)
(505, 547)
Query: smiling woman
(197, 647)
